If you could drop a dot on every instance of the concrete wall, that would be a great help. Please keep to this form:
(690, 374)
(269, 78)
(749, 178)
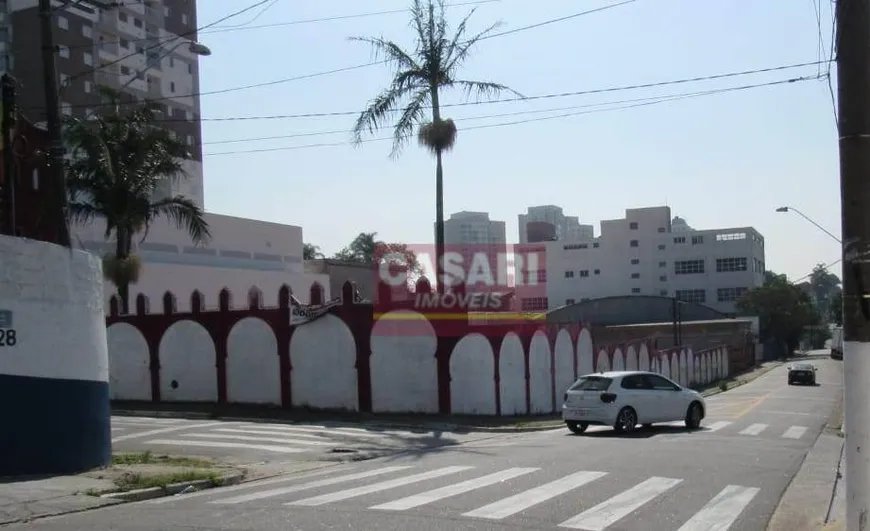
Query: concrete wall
(350, 360)
(54, 392)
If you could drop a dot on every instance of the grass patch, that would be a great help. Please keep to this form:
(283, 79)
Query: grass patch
(134, 480)
(147, 458)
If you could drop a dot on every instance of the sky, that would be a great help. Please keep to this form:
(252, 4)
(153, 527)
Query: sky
(726, 159)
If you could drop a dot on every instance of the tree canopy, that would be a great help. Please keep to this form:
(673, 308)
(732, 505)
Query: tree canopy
(783, 309)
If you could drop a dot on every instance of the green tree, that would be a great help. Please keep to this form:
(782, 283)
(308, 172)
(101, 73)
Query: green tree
(783, 310)
(419, 78)
(823, 286)
(119, 161)
(311, 252)
(367, 249)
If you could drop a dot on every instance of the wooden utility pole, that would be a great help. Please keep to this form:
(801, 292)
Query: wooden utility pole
(60, 215)
(853, 78)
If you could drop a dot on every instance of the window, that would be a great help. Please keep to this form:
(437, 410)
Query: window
(88, 32)
(635, 290)
(569, 274)
(569, 302)
(635, 261)
(595, 245)
(659, 383)
(692, 295)
(124, 43)
(634, 381)
(190, 140)
(663, 278)
(663, 264)
(680, 239)
(730, 294)
(697, 240)
(189, 68)
(542, 276)
(172, 86)
(633, 243)
(62, 23)
(591, 383)
(632, 225)
(64, 79)
(184, 18)
(663, 293)
(66, 108)
(125, 70)
(122, 17)
(597, 271)
(63, 51)
(137, 22)
(635, 275)
(661, 229)
(171, 62)
(731, 237)
(165, 11)
(88, 59)
(584, 273)
(688, 267)
(534, 304)
(575, 246)
(661, 247)
(725, 265)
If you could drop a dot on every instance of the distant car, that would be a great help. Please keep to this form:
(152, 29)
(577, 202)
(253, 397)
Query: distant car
(803, 373)
(625, 399)
(837, 343)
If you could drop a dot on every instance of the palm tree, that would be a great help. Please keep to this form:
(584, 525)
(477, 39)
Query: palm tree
(418, 79)
(118, 160)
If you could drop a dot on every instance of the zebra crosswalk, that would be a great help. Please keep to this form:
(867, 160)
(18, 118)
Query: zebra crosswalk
(599, 500)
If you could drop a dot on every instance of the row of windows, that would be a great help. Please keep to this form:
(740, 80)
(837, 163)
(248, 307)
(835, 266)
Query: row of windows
(723, 265)
(696, 240)
(582, 273)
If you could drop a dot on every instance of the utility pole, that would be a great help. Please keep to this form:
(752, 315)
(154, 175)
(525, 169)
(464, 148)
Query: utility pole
(52, 116)
(853, 78)
(7, 122)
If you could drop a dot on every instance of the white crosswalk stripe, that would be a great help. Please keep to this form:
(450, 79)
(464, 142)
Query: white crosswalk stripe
(722, 511)
(378, 487)
(223, 444)
(611, 511)
(718, 514)
(716, 426)
(755, 429)
(795, 432)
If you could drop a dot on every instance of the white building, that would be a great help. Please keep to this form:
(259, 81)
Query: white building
(548, 222)
(243, 253)
(473, 232)
(642, 254)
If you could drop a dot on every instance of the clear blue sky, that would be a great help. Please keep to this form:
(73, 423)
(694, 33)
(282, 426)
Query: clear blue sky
(719, 161)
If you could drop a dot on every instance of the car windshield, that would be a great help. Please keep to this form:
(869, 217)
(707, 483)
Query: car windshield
(802, 367)
(591, 383)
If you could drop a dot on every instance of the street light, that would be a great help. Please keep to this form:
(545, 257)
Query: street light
(196, 48)
(801, 214)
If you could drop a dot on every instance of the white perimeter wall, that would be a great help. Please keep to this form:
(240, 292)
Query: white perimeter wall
(403, 366)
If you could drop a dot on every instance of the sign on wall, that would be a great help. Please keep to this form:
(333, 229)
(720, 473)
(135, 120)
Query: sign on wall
(8, 334)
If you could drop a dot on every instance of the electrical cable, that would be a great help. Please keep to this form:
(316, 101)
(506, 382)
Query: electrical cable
(168, 39)
(258, 15)
(343, 69)
(826, 266)
(665, 99)
(514, 99)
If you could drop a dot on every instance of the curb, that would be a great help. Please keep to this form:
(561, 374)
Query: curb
(174, 488)
(372, 424)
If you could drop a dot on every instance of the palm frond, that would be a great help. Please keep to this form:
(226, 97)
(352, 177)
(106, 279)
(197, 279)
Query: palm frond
(460, 47)
(413, 114)
(378, 111)
(389, 52)
(483, 89)
(184, 214)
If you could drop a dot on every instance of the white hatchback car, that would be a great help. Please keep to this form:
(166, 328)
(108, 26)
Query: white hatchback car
(624, 399)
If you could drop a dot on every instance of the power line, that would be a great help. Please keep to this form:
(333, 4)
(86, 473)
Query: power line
(343, 69)
(168, 39)
(516, 99)
(664, 99)
(826, 266)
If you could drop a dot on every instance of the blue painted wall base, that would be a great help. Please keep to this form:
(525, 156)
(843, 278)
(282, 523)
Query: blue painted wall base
(53, 426)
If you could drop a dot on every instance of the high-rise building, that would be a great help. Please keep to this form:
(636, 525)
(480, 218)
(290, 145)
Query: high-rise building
(147, 49)
(471, 233)
(549, 223)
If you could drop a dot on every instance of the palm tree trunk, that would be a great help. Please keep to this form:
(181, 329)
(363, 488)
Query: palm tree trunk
(121, 252)
(439, 222)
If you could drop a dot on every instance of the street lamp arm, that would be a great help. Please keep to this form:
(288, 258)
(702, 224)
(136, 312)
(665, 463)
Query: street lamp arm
(801, 214)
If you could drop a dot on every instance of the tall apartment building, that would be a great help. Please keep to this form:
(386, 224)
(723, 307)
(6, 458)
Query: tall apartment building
(648, 253)
(142, 47)
(468, 233)
(549, 223)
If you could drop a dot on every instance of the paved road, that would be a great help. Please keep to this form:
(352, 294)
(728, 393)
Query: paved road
(728, 476)
(258, 442)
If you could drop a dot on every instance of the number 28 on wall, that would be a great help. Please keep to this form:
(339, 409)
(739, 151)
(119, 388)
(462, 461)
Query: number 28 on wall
(8, 337)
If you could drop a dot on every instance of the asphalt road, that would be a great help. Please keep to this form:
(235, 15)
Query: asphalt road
(728, 476)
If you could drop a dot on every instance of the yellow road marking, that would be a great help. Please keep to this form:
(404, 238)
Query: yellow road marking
(755, 403)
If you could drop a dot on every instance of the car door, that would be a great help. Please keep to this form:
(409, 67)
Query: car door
(667, 398)
(635, 392)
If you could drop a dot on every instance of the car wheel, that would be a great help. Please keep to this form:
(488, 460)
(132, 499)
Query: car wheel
(693, 416)
(577, 428)
(626, 420)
